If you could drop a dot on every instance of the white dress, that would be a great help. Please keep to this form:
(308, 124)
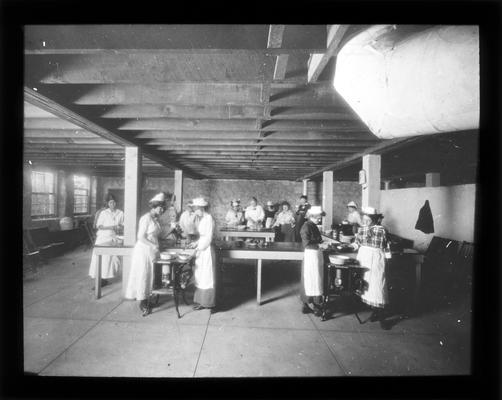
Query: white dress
(140, 282)
(374, 260)
(234, 218)
(256, 214)
(110, 265)
(188, 223)
(203, 273)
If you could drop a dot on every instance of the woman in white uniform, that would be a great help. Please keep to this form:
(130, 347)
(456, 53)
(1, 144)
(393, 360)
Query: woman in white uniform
(311, 288)
(108, 223)
(353, 217)
(254, 214)
(235, 216)
(205, 259)
(373, 250)
(144, 254)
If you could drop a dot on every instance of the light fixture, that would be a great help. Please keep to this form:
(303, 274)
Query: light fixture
(29, 162)
(35, 89)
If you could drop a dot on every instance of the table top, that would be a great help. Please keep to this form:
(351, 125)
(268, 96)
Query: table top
(264, 230)
(273, 246)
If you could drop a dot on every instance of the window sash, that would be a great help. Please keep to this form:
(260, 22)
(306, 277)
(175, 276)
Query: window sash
(43, 194)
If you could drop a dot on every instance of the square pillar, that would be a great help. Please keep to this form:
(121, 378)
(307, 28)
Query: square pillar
(178, 190)
(371, 189)
(305, 183)
(131, 193)
(327, 199)
(27, 197)
(132, 188)
(432, 179)
(69, 195)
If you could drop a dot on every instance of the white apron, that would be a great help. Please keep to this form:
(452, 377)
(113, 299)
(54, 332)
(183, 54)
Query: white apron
(203, 272)
(374, 259)
(140, 283)
(313, 265)
(110, 265)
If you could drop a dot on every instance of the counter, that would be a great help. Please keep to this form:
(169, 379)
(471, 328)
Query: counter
(267, 234)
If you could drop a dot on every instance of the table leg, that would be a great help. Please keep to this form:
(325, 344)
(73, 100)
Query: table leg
(97, 284)
(258, 281)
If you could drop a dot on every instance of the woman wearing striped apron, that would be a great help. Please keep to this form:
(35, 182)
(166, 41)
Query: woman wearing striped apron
(373, 249)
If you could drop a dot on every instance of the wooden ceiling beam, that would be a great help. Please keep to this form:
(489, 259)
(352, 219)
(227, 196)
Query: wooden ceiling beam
(381, 148)
(177, 124)
(265, 142)
(183, 111)
(252, 135)
(299, 149)
(45, 103)
(319, 61)
(197, 94)
(58, 133)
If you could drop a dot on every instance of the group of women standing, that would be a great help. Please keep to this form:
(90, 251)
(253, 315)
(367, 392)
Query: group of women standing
(285, 221)
(371, 242)
(146, 251)
(198, 223)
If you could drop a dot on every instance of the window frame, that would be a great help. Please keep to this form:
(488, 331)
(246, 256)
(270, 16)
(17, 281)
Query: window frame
(87, 196)
(53, 193)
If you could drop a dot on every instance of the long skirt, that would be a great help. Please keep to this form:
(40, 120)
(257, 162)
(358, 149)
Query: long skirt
(140, 283)
(286, 233)
(110, 265)
(312, 275)
(205, 278)
(374, 259)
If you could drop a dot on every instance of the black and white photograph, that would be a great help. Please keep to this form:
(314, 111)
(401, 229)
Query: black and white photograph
(214, 200)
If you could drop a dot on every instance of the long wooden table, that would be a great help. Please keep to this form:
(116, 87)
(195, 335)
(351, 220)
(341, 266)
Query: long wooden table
(267, 234)
(274, 251)
(100, 251)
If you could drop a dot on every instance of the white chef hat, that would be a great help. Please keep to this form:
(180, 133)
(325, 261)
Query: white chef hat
(352, 204)
(270, 203)
(315, 210)
(200, 202)
(369, 211)
(235, 202)
(160, 197)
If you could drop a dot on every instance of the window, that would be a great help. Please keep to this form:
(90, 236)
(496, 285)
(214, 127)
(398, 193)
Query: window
(81, 189)
(43, 194)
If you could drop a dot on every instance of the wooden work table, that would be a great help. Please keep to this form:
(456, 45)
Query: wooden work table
(267, 234)
(273, 251)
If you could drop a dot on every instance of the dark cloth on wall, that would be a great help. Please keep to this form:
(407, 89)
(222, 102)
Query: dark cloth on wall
(425, 222)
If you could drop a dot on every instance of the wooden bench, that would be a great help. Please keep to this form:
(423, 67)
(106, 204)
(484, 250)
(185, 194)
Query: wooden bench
(39, 240)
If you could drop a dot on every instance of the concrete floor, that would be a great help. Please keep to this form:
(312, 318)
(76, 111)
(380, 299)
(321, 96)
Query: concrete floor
(68, 332)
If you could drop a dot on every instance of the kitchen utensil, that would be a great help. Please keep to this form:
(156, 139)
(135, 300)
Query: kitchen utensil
(338, 259)
(167, 256)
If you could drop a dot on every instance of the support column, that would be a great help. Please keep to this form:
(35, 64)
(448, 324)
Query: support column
(371, 189)
(327, 199)
(432, 179)
(305, 184)
(386, 185)
(132, 187)
(70, 195)
(178, 190)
